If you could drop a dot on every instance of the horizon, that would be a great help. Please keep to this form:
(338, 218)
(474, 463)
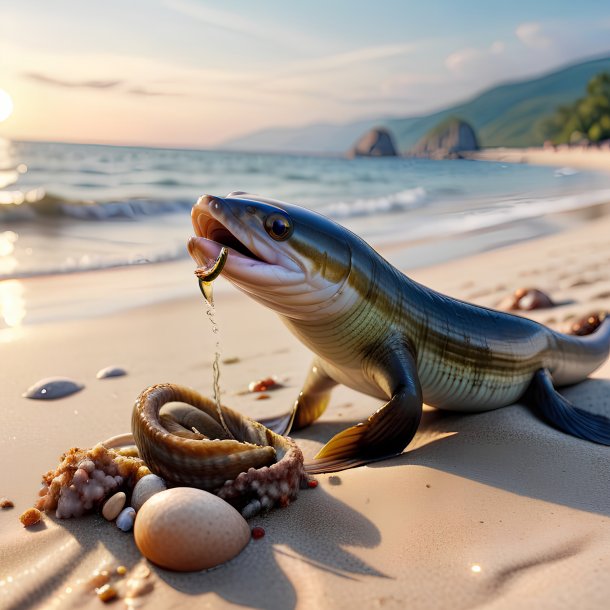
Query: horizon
(136, 76)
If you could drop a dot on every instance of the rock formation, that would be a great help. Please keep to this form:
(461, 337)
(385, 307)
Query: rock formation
(446, 141)
(377, 142)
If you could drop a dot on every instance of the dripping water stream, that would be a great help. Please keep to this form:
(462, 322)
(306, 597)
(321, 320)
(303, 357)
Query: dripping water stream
(205, 278)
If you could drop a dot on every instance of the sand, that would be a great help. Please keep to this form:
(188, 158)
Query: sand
(562, 156)
(495, 510)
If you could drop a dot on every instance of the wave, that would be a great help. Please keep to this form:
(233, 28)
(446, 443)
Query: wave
(402, 201)
(36, 203)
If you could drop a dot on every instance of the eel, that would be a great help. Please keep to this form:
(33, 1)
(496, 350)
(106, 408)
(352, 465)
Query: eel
(377, 331)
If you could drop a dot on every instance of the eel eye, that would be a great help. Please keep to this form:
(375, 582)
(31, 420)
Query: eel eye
(278, 226)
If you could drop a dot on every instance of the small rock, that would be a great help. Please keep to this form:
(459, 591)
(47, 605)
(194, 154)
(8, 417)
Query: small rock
(52, 388)
(125, 519)
(111, 371)
(114, 505)
(145, 488)
(106, 593)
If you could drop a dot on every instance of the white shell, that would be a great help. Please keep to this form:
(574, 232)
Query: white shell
(114, 505)
(111, 371)
(52, 387)
(126, 518)
(145, 488)
(188, 529)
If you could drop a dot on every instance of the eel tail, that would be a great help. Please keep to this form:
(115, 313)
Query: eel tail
(562, 414)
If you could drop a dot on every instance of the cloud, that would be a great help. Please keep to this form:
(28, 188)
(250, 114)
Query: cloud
(78, 84)
(114, 84)
(457, 61)
(530, 34)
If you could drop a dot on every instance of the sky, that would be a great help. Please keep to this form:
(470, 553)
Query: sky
(196, 72)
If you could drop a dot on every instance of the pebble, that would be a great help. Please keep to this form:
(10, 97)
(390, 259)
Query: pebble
(114, 505)
(111, 371)
(187, 529)
(51, 388)
(126, 518)
(6, 503)
(106, 593)
(145, 488)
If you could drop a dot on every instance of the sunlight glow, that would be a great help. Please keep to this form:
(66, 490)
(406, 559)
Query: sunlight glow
(6, 105)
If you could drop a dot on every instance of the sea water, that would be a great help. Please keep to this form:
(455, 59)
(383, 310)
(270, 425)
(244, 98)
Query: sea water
(68, 208)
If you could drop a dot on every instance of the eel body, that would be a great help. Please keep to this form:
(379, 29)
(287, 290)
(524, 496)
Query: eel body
(377, 331)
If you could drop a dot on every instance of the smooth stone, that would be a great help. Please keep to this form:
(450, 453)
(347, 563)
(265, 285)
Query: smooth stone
(187, 529)
(145, 488)
(126, 518)
(111, 371)
(114, 505)
(52, 388)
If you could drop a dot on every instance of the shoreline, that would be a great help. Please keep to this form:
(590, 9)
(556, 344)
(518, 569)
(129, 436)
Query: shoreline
(586, 158)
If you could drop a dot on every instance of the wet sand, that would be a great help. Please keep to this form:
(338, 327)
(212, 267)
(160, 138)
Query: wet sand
(494, 510)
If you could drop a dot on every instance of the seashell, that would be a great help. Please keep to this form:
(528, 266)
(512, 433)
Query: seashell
(187, 529)
(52, 388)
(126, 518)
(111, 371)
(114, 505)
(228, 454)
(527, 299)
(145, 488)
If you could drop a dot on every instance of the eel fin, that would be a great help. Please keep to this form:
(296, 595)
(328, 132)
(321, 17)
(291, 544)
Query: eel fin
(311, 403)
(562, 414)
(387, 431)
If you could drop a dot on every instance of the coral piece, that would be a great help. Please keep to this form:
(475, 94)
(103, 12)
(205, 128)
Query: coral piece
(85, 478)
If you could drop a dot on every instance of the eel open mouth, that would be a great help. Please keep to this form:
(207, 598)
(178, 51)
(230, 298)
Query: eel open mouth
(209, 228)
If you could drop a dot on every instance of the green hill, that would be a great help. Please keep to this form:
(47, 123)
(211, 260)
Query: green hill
(506, 115)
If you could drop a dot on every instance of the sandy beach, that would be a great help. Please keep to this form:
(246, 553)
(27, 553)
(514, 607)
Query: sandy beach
(580, 157)
(496, 510)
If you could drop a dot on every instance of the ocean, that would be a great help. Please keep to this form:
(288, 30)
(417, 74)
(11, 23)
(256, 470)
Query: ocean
(67, 208)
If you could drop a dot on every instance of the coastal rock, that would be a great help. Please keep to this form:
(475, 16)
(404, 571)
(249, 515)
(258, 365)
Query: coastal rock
(377, 142)
(447, 140)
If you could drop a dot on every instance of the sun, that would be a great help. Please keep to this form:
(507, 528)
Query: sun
(6, 105)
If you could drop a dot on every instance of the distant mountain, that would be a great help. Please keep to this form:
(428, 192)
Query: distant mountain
(505, 115)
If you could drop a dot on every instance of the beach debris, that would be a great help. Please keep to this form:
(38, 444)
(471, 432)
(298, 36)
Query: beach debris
(125, 519)
(114, 505)
(231, 360)
(51, 388)
(30, 517)
(588, 324)
(187, 529)
(264, 385)
(106, 593)
(145, 488)
(6, 503)
(334, 480)
(258, 532)
(85, 478)
(527, 299)
(207, 275)
(111, 371)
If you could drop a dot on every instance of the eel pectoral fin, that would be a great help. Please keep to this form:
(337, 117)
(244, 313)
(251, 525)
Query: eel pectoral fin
(562, 414)
(311, 403)
(385, 433)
